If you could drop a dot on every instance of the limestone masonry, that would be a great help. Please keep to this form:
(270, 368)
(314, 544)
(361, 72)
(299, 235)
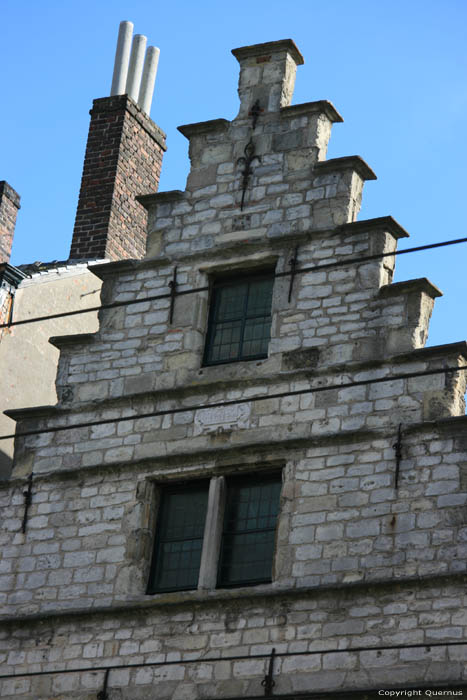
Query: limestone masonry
(360, 578)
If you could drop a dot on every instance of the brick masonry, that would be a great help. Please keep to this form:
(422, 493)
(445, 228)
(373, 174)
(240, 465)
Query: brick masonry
(123, 159)
(9, 205)
(357, 561)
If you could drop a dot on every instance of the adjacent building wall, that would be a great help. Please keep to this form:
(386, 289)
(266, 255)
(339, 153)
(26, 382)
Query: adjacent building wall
(28, 360)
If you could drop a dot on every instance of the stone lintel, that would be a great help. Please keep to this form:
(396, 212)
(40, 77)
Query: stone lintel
(355, 163)
(149, 200)
(381, 223)
(318, 107)
(61, 341)
(19, 414)
(422, 284)
(199, 128)
(269, 47)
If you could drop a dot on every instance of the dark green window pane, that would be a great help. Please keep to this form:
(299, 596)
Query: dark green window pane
(179, 539)
(240, 320)
(249, 530)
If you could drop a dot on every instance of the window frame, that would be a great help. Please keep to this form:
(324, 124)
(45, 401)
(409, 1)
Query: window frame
(208, 577)
(222, 281)
(167, 490)
(241, 480)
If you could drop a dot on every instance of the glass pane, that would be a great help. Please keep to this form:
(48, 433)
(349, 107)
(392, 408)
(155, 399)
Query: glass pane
(249, 531)
(230, 302)
(260, 298)
(225, 344)
(240, 321)
(256, 337)
(179, 539)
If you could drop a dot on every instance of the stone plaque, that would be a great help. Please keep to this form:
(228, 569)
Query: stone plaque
(218, 420)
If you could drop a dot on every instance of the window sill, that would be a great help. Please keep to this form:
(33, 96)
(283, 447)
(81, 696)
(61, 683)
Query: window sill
(242, 369)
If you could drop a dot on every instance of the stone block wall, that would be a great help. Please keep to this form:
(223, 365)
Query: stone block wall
(366, 427)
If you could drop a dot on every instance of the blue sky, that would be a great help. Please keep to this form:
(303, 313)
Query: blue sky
(395, 70)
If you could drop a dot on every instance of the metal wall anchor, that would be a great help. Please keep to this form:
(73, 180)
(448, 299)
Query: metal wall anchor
(173, 294)
(103, 694)
(246, 161)
(397, 447)
(27, 502)
(10, 312)
(293, 266)
(268, 683)
(255, 111)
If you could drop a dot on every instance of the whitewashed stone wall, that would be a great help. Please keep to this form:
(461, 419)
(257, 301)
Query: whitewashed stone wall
(357, 561)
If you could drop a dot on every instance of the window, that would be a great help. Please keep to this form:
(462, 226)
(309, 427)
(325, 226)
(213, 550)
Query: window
(249, 528)
(220, 530)
(180, 529)
(239, 325)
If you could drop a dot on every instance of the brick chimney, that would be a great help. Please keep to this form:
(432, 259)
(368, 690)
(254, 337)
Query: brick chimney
(123, 159)
(9, 205)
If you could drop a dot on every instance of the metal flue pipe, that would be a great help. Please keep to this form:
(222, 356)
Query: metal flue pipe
(135, 68)
(149, 79)
(122, 56)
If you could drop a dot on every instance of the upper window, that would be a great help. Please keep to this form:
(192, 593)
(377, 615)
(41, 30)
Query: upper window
(244, 545)
(240, 319)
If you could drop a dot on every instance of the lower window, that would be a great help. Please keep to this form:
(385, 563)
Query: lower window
(220, 530)
(249, 530)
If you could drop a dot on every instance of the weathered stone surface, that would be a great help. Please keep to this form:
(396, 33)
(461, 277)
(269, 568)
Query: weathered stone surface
(358, 561)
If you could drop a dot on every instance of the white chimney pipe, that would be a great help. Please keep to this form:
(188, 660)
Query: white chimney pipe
(122, 56)
(136, 66)
(149, 78)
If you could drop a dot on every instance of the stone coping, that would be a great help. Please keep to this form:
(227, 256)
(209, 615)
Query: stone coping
(381, 223)
(318, 107)
(147, 200)
(61, 341)
(103, 270)
(244, 593)
(355, 163)
(269, 47)
(422, 284)
(11, 275)
(191, 388)
(200, 128)
(18, 414)
(451, 348)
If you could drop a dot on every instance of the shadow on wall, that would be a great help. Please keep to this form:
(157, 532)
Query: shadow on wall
(6, 464)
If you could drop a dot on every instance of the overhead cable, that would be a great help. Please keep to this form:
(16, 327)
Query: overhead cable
(196, 290)
(232, 402)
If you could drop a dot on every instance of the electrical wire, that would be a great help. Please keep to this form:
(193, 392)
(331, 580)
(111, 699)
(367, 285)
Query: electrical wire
(232, 402)
(196, 290)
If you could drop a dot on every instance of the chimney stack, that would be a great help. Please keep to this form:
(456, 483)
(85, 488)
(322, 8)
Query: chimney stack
(123, 159)
(9, 205)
